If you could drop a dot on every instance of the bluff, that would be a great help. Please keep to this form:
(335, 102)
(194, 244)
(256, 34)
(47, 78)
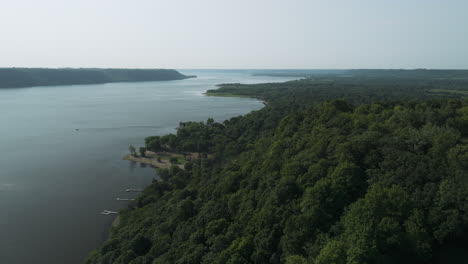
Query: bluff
(28, 77)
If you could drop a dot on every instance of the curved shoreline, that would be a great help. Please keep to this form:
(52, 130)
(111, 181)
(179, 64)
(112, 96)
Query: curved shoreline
(151, 158)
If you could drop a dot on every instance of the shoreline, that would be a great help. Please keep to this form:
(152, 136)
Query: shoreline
(116, 222)
(261, 100)
(151, 158)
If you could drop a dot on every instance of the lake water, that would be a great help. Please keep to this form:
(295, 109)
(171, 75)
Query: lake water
(55, 180)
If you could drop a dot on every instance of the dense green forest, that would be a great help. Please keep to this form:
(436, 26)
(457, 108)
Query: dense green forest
(330, 171)
(27, 77)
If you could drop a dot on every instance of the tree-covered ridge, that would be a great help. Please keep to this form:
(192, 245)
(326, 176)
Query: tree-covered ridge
(310, 179)
(424, 74)
(356, 90)
(27, 77)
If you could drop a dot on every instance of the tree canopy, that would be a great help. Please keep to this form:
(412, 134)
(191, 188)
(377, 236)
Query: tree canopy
(328, 172)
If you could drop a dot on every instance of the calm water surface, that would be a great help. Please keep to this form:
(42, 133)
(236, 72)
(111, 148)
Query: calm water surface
(55, 179)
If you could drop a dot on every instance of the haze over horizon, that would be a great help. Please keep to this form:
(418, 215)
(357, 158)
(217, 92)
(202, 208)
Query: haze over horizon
(265, 34)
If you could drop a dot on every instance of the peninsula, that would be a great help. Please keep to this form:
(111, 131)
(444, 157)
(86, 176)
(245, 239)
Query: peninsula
(28, 77)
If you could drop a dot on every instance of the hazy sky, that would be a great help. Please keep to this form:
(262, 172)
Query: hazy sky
(234, 33)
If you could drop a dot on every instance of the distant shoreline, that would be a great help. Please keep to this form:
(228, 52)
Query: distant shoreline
(11, 78)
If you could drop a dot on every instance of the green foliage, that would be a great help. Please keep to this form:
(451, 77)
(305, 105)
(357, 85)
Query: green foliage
(333, 253)
(142, 151)
(132, 150)
(154, 144)
(318, 182)
(419, 74)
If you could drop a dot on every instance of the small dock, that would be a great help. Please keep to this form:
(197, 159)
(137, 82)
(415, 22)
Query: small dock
(133, 190)
(124, 199)
(108, 212)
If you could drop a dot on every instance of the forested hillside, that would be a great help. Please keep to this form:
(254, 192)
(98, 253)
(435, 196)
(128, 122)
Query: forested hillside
(422, 74)
(27, 77)
(330, 171)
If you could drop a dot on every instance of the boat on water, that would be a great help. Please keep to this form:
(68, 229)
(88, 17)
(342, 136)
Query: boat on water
(106, 212)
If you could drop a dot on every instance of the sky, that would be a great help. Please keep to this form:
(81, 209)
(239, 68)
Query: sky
(235, 34)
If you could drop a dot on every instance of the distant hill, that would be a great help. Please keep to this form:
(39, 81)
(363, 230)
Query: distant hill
(368, 73)
(27, 77)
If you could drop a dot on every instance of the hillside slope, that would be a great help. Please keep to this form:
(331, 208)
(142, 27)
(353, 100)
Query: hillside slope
(27, 77)
(309, 180)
